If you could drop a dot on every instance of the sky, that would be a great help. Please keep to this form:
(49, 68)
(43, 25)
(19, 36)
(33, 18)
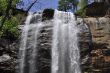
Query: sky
(41, 5)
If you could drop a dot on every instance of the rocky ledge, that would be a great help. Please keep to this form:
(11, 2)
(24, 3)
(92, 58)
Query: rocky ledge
(100, 54)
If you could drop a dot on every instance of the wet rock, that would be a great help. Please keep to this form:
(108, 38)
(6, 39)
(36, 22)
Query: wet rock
(4, 58)
(44, 46)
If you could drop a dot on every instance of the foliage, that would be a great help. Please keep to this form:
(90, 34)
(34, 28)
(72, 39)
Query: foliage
(81, 12)
(63, 5)
(72, 5)
(10, 27)
(83, 3)
(68, 5)
(4, 3)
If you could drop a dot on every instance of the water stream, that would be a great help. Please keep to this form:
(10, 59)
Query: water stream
(64, 43)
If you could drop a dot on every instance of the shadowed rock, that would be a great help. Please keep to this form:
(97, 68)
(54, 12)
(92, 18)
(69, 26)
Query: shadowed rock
(47, 14)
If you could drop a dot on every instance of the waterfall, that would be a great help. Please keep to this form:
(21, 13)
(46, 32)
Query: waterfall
(65, 52)
(28, 51)
(64, 43)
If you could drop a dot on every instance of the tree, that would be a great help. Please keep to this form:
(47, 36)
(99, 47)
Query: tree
(68, 5)
(83, 3)
(6, 6)
(73, 4)
(63, 5)
(4, 3)
(8, 22)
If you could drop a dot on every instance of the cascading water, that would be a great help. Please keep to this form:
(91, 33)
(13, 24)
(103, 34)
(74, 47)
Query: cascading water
(64, 43)
(28, 51)
(65, 52)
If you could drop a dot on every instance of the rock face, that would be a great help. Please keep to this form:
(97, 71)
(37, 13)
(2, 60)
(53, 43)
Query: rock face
(96, 9)
(100, 29)
(85, 44)
(44, 49)
(94, 44)
(47, 14)
(8, 56)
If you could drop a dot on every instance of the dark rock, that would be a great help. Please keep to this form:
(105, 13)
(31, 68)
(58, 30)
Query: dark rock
(100, 45)
(106, 52)
(47, 14)
(96, 9)
(8, 56)
(85, 43)
(44, 52)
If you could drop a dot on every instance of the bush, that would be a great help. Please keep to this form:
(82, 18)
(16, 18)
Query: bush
(10, 29)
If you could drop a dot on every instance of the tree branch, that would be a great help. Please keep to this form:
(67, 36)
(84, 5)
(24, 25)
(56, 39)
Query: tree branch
(31, 5)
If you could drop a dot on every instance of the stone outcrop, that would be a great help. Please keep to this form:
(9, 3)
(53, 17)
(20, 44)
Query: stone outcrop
(8, 56)
(44, 49)
(85, 44)
(47, 14)
(100, 29)
(96, 9)
(94, 44)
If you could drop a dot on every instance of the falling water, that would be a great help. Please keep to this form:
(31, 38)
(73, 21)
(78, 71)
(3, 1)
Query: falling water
(64, 43)
(28, 51)
(65, 52)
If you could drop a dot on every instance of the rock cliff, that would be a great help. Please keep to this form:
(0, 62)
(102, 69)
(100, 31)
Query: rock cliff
(94, 47)
(100, 54)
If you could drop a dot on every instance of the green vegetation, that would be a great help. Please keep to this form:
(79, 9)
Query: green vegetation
(4, 3)
(10, 27)
(72, 5)
(68, 5)
(11, 17)
(8, 22)
(82, 4)
(81, 12)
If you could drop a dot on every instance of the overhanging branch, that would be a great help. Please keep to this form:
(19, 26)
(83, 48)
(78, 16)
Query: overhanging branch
(31, 5)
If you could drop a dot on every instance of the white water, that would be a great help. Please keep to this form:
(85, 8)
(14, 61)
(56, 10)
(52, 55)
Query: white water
(28, 51)
(65, 52)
